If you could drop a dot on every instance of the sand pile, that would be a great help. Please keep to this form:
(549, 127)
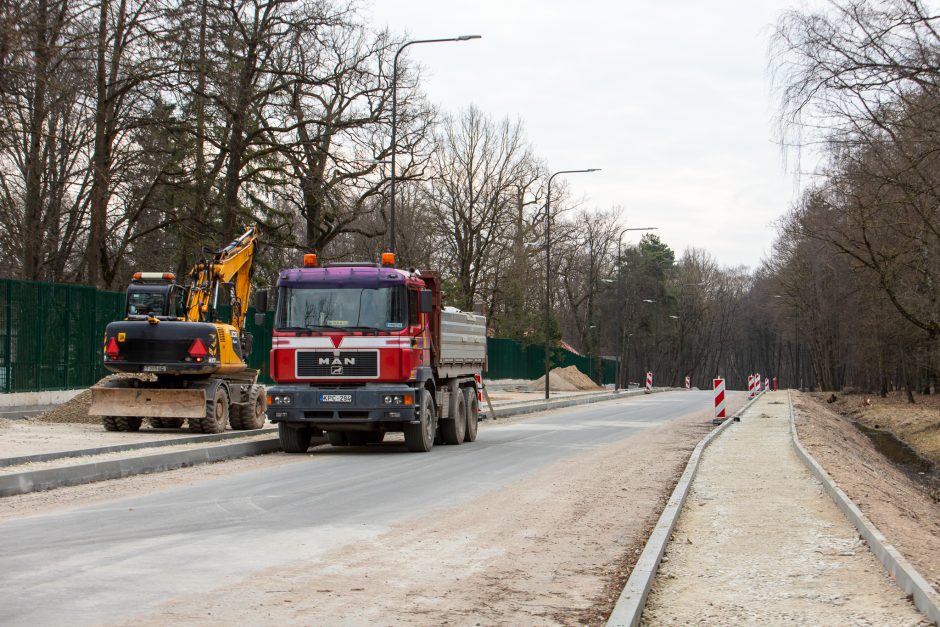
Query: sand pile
(76, 409)
(568, 379)
(73, 410)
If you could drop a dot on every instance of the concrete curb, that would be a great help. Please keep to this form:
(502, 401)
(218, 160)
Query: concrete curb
(117, 448)
(630, 604)
(904, 574)
(51, 397)
(24, 482)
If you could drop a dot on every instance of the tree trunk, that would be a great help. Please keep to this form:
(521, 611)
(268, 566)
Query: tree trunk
(32, 223)
(101, 158)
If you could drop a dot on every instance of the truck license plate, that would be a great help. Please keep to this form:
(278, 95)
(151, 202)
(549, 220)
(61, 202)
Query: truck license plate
(336, 398)
(154, 368)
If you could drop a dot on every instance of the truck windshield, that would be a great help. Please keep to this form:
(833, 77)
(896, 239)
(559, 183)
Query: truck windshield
(382, 309)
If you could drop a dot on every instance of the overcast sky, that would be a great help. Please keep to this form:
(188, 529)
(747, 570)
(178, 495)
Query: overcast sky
(671, 98)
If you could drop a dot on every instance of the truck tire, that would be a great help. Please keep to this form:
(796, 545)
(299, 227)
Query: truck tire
(337, 438)
(419, 438)
(216, 415)
(121, 423)
(166, 423)
(454, 426)
(252, 414)
(293, 439)
(473, 414)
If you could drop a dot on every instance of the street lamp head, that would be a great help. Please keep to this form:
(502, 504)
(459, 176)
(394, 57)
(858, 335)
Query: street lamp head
(647, 300)
(469, 37)
(674, 317)
(593, 170)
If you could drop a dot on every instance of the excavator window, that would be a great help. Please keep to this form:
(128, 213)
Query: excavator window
(146, 304)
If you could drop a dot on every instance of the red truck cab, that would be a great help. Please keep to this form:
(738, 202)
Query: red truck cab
(356, 353)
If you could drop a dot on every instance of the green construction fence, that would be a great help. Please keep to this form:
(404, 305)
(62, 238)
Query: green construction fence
(52, 335)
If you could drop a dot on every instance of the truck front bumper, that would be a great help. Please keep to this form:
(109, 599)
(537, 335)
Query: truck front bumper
(364, 406)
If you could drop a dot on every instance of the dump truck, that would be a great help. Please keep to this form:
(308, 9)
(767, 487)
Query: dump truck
(175, 359)
(363, 349)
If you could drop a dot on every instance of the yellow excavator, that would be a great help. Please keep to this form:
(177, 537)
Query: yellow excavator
(175, 360)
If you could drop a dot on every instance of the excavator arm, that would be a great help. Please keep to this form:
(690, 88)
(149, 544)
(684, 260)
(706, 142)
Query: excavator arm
(233, 264)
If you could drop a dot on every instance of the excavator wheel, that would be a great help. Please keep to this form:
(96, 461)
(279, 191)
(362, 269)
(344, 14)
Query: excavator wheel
(216, 415)
(166, 423)
(252, 414)
(121, 423)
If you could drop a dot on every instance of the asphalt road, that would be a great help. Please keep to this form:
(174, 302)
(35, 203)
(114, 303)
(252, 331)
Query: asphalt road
(106, 563)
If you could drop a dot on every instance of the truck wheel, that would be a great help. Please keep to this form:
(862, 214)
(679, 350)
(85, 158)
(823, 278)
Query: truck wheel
(216, 415)
(252, 414)
(293, 439)
(473, 414)
(337, 438)
(166, 423)
(419, 438)
(454, 426)
(121, 423)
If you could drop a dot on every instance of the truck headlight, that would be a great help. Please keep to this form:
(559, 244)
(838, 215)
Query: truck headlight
(398, 399)
(281, 400)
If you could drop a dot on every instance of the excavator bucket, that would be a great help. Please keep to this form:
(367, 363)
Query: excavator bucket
(147, 402)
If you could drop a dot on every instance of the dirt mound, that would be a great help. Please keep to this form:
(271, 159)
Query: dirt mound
(76, 409)
(568, 379)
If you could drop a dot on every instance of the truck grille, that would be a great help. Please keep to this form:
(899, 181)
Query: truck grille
(344, 365)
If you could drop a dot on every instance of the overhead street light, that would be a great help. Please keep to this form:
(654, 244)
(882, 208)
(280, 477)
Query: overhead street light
(548, 267)
(391, 223)
(622, 299)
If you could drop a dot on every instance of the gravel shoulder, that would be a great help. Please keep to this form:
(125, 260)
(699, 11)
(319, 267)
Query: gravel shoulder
(760, 542)
(905, 511)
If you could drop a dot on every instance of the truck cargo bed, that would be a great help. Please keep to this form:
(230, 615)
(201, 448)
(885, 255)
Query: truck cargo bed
(463, 341)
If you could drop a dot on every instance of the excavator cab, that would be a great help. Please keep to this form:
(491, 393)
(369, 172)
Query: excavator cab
(155, 295)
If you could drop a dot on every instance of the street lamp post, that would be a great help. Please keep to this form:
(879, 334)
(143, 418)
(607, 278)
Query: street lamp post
(620, 298)
(391, 222)
(548, 267)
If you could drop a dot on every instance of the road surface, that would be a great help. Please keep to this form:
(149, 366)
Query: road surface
(129, 558)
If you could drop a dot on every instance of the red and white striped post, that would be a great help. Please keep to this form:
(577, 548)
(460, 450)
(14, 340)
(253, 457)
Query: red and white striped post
(688, 383)
(766, 384)
(750, 386)
(719, 386)
(757, 389)
(649, 382)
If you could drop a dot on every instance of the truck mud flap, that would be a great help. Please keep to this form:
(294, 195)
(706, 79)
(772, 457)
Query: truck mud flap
(147, 402)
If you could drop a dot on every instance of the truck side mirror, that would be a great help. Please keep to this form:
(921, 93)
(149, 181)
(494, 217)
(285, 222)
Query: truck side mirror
(427, 301)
